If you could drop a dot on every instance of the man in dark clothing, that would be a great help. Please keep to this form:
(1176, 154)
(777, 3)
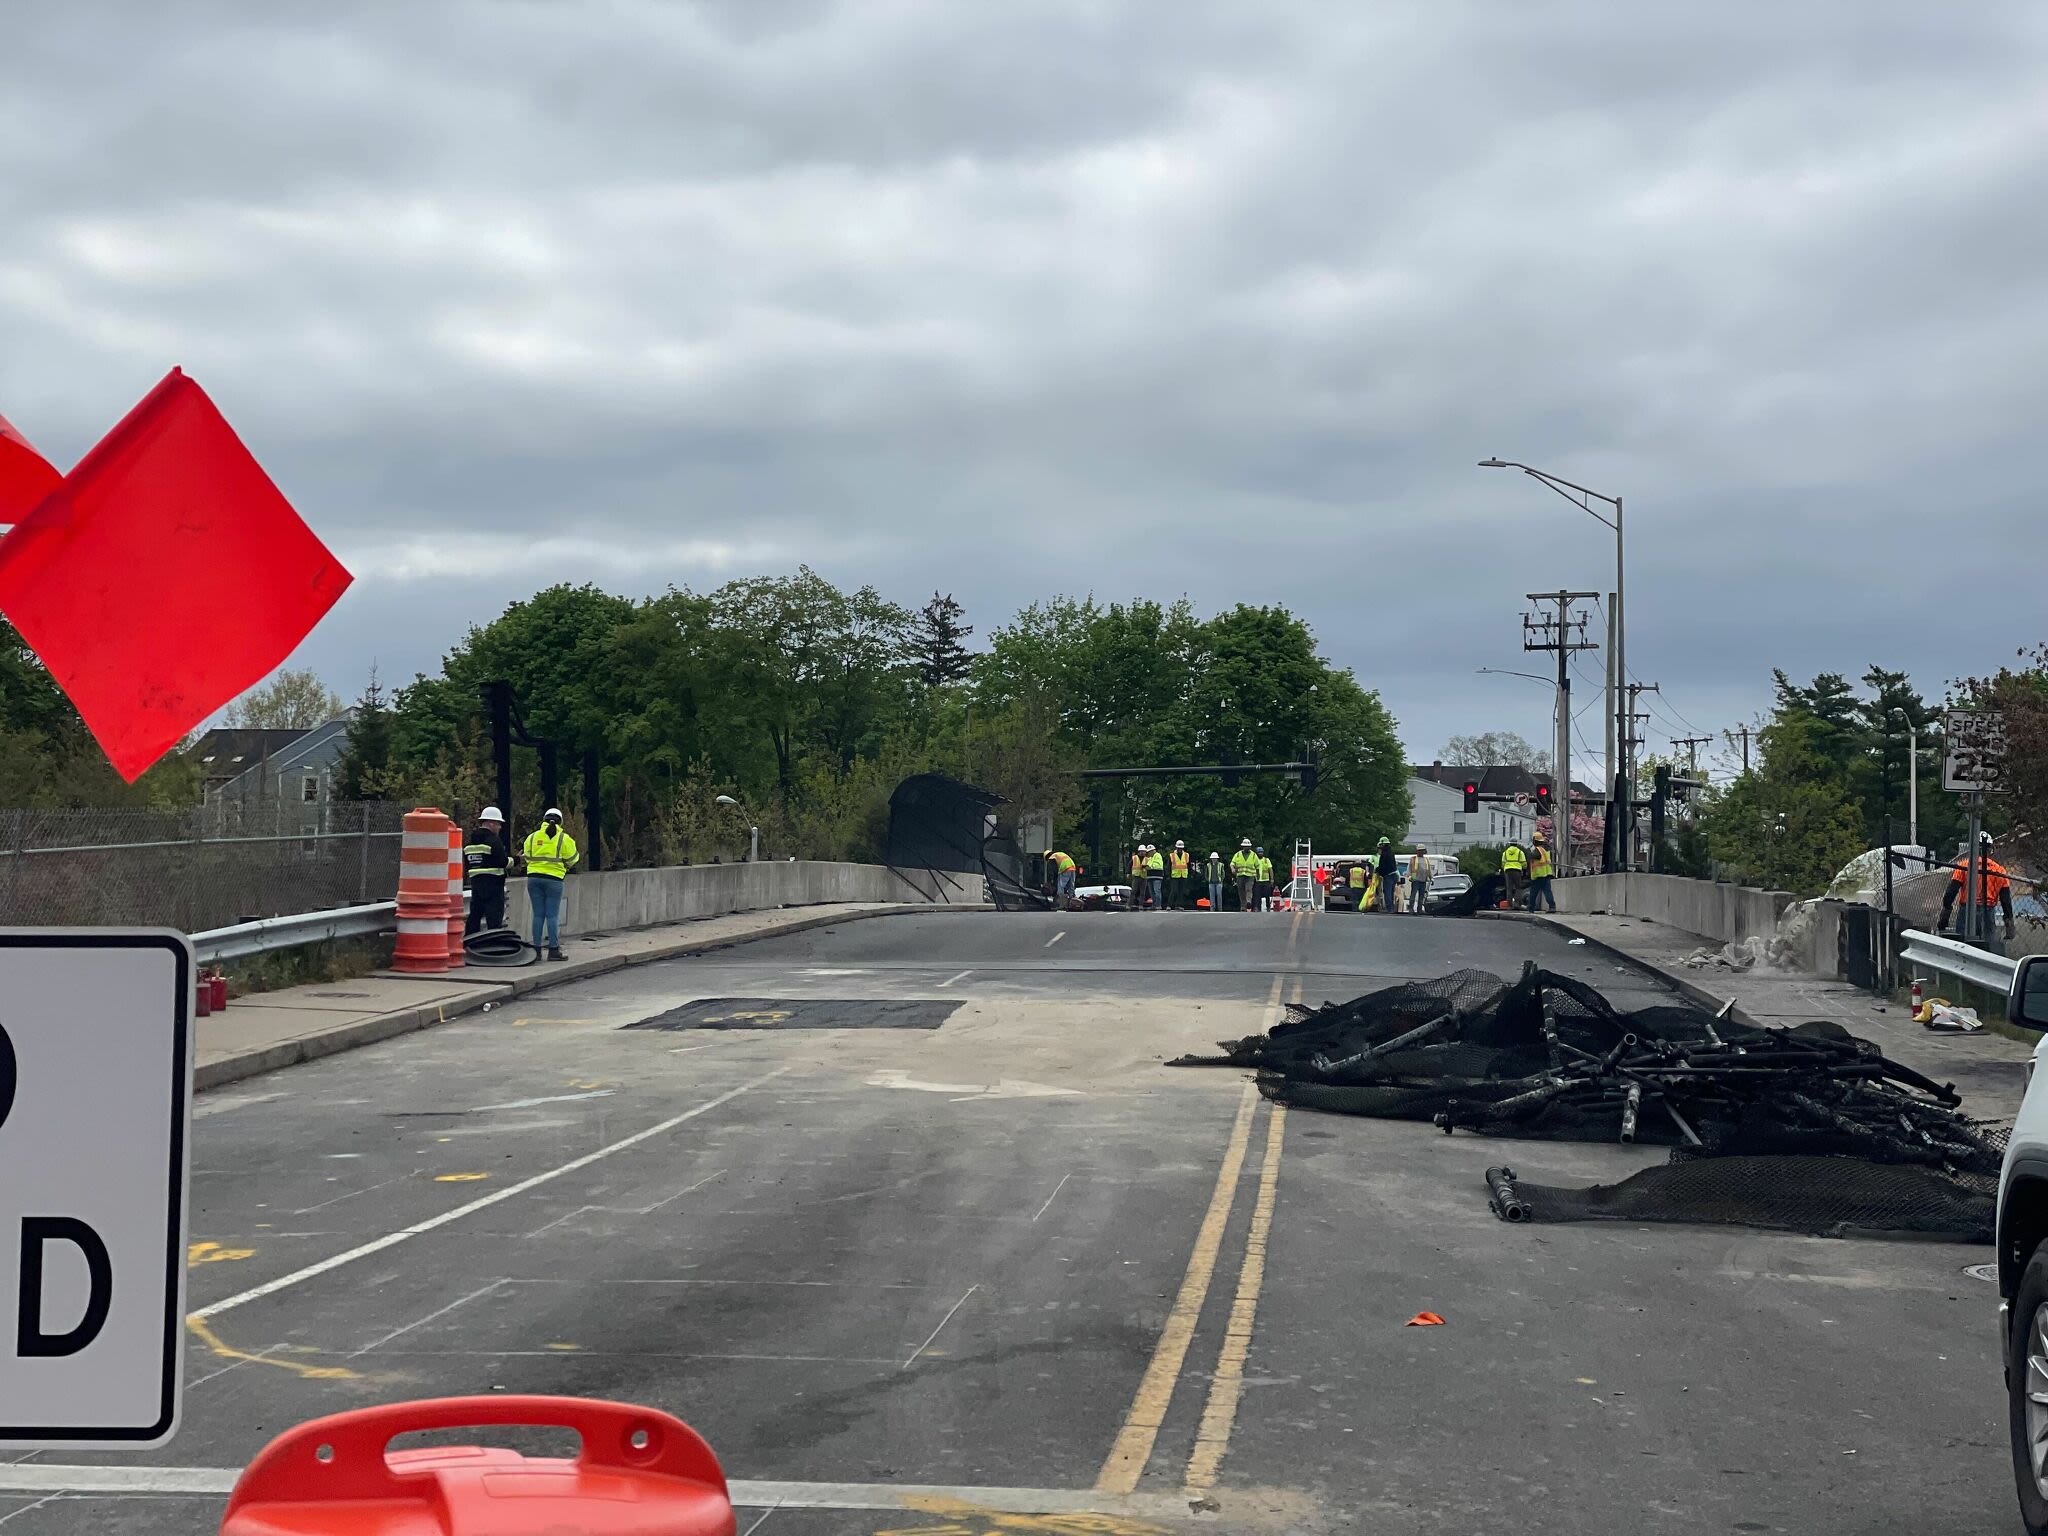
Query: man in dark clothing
(1389, 872)
(483, 861)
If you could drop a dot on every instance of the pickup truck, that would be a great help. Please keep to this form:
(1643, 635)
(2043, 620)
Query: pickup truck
(2023, 1256)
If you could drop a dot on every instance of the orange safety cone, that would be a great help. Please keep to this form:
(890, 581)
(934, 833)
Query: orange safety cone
(639, 1473)
(423, 894)
(456, 956)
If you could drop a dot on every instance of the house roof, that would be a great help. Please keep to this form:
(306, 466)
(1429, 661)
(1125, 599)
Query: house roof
(227, 750)
(1495, 778)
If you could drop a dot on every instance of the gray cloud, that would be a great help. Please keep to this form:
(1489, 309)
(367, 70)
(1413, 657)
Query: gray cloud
(1009, 298)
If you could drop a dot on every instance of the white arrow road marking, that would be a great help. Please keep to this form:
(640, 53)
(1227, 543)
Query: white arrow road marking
(1004, 1088)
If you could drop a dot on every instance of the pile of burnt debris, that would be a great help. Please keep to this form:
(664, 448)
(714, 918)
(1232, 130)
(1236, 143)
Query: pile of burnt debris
(1809, 1128)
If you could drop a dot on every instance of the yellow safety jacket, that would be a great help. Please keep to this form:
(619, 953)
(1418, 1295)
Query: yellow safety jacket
(1539, 864)
(1154, 863)
(1062, 863)
(1512, 857)
(1244, 862)
(1180, 866)
(549, 854)
(1266, 870)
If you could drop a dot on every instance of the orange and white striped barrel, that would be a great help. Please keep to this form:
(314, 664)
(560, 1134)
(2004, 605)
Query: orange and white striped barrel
(423, 894)
(455, 924)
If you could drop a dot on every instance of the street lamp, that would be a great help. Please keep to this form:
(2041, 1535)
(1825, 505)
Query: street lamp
(753, 832)
(1620, 768)
(1548, 682)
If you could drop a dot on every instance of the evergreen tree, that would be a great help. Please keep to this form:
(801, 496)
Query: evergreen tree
(942, 658)
(366, 761)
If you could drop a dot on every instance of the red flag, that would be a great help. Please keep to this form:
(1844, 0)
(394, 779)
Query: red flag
(26, 477)
(164, 576)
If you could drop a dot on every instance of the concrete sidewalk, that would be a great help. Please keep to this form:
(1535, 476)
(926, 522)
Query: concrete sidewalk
(1988, 1070)
(278, 1029)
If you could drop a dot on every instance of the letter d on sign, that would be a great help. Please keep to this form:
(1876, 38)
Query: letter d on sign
(37, 1232)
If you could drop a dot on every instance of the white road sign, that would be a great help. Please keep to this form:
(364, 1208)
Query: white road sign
(1975, 756)
(95, 1094)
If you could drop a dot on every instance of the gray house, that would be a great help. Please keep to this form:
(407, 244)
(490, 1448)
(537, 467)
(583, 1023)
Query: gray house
(1443, 825)
(299, 775)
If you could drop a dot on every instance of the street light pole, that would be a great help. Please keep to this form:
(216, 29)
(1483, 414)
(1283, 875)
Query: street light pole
(1620, 764)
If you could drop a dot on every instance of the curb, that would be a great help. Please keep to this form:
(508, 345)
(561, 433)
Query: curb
(1691, 991)
(488, 989)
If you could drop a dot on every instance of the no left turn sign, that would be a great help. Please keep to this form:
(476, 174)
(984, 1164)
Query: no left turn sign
(95, 1094)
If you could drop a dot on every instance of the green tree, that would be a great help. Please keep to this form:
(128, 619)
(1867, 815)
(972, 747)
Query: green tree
(365, 767)
(1492, 748)
(1790, 824)
(290, 700)
(940, 644)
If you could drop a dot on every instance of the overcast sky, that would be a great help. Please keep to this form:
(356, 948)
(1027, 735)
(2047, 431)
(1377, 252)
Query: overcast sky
(1008, 299)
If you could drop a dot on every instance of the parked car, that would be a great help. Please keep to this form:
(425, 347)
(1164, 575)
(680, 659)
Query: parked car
(1101, 898)
(1443, 888)
(2023, 1256)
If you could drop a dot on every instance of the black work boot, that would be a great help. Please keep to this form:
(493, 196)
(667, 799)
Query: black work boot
(556, 954)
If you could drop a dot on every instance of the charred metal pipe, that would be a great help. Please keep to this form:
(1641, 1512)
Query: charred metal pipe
(1629, 1111)
(1624, 1043)
(1692, 1137)
(1504, 1200)
(1327, 1067)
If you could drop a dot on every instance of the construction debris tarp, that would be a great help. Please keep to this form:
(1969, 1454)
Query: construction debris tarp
(1851, 1139)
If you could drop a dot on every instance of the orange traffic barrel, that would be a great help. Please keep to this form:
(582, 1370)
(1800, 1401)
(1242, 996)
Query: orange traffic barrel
(423, 893)
(455, 915)
(639, 1473)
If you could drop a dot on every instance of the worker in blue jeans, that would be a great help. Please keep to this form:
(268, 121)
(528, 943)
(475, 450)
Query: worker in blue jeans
(1540, 871)
(549, 853)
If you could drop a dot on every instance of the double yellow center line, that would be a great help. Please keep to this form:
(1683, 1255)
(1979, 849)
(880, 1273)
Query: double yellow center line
(1140, 1432)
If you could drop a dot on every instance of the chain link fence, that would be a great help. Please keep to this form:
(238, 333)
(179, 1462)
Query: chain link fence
(194, 869)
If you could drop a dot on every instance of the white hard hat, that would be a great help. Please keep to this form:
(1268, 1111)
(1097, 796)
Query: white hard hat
(1246, 843)
(553, 812)
(1178, 843)
(491, 813)
(1214, 854)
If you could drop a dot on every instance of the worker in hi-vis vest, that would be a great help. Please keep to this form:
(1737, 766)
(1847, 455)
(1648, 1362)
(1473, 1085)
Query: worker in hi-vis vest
(549, 853)
(1244, 869)
(1177, 871)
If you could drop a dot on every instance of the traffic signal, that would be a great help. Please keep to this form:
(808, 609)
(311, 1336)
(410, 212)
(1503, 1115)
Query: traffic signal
(1542, 799)
(1308, 778)
(1471, 796)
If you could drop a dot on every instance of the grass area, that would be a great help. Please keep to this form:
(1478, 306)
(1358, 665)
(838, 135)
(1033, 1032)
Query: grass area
(336, 960)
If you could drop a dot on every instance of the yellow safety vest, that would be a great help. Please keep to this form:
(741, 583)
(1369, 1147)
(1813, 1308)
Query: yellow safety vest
(1154, 863)
(549, 855)
(1266, 870)
(1355, 877)
(1062, 863)
(1539, 864)
(1180, 866)
(1137, 865)
(1244, 862)
(1512, 857)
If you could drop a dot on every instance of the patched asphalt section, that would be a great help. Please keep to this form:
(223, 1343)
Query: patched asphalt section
(803, 1013)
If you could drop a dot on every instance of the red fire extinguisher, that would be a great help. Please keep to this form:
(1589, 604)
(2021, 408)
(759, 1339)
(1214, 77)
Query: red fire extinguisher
(639, 1473)
(217, 987)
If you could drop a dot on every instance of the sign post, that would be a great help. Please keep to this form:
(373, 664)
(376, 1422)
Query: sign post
(95, 1101)
(1973, 765)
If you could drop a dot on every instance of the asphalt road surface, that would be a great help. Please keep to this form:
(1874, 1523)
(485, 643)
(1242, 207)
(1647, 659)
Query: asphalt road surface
(981, 1262)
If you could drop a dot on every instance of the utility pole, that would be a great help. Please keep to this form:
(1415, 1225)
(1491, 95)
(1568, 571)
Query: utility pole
(1744, 733)
(1562, 633)
(1611, 764)
(1692, 745)
(1625, 786)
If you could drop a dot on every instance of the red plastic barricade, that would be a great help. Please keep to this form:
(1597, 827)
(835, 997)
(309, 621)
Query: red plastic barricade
(640, 1473)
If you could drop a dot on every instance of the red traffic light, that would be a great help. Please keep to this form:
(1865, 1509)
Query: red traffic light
(1543, 799)
(1471, 795)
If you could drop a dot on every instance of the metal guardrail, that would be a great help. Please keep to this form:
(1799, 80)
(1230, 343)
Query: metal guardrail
(272, 933)
(1952, 957)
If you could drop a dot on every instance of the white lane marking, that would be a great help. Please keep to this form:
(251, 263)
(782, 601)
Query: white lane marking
(1055, 938)
(482, 1290)
(216, 1482)
(552, 1098)
(483, 1202)
(51, 1498)
(951, 979)
(1003, 1088)
(853, 972)
(927, 1344)
(684, 1050)
(1053, 1196)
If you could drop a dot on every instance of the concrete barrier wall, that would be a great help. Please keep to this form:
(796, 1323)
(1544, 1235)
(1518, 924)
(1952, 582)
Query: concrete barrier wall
(641, 898)
(1706, 907)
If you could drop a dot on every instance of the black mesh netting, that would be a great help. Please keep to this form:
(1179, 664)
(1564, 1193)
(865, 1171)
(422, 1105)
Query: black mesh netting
(1806, 1128)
